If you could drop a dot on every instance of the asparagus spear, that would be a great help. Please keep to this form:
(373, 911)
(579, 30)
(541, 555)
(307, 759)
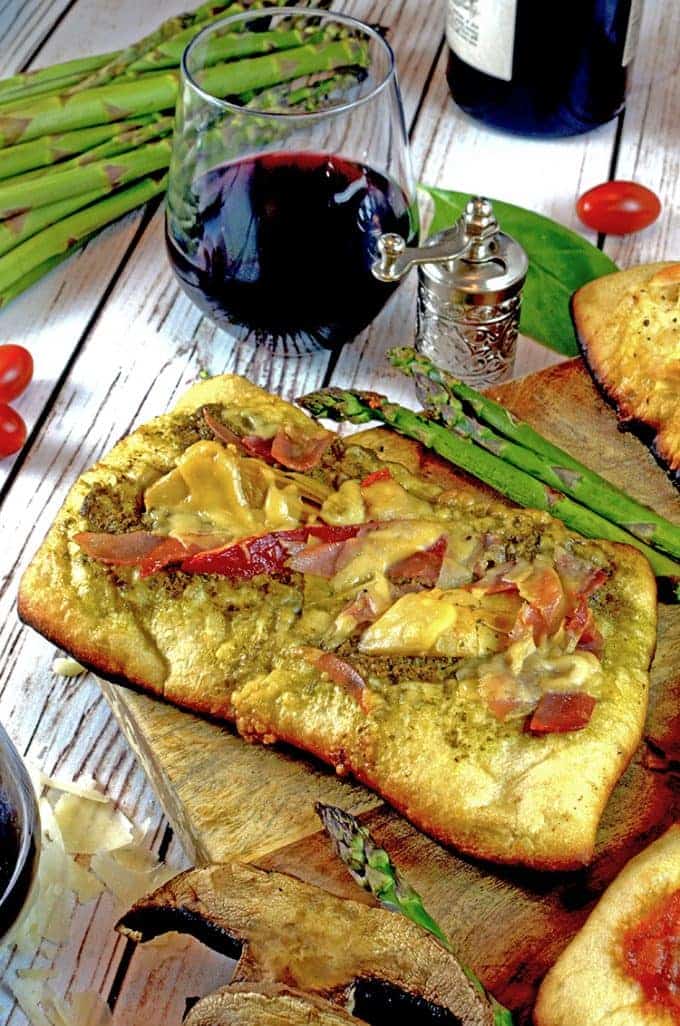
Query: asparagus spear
(102, 174)
(58, 77)
(362, 407)
(220, 48)
(16, 230)
(30, 92)
(122, 142)
(526, 449)
(15, 85)
(226, 47)
(372, 868)
(158, 91)
(119, 64)
(176, 33)
(136, 195)
(40, 270)
(60, 237)
(14, 160)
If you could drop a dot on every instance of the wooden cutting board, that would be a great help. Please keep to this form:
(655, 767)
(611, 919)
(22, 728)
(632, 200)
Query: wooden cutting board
(227, 799)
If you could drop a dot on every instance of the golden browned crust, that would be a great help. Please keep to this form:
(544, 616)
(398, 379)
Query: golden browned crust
(588, 983)
(628, 327)
(456, 772)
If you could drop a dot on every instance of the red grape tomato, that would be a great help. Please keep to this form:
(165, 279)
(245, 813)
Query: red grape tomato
(618, 208)
(16, 370)
(12, 430)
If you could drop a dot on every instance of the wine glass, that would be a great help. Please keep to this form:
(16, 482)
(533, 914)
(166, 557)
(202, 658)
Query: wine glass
(19, 835)
(286, 168)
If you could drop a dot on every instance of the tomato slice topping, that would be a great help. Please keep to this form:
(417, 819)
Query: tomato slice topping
(618, 208)
(264, 553)
(651, 954)
(16, 371)
(560, 713)
(12, 430)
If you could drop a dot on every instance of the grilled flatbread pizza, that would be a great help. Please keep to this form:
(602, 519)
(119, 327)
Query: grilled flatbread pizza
(623, 966)
(628, 326)
(481, 667)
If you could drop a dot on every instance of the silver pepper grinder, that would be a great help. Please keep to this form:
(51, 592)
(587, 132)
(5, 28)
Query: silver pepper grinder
(470, 280)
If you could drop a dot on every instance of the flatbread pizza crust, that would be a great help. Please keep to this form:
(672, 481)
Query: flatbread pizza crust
(216, 648)
(628, 328)
(588, 983)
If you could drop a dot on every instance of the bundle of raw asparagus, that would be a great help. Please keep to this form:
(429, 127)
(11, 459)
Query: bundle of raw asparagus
(61, 126)
(479, 435)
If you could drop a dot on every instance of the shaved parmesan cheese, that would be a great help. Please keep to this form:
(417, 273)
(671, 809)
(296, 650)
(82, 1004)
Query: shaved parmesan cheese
(83, 882)
(90, 1009)
(85, 1009)
(128, 884)
(56, 906)
(87, 845)
(67, 667)
(36, 974)
(27, 995)
(84, 787)
(92, 826)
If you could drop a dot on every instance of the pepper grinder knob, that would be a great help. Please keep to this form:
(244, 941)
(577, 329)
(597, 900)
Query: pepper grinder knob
(390, 247)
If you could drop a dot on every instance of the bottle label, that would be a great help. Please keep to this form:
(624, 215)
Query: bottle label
(633, 32)
(482, 33)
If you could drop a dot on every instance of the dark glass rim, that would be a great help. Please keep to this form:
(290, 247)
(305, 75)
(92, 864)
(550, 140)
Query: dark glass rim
(27, 813)
(326, 16)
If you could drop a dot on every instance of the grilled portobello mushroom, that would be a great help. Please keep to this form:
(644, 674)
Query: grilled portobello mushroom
(376, 963)
(266, 1005)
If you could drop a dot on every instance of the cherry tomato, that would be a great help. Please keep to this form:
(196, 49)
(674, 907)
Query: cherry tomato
(618, 208)
(12, 430)
(16, 370)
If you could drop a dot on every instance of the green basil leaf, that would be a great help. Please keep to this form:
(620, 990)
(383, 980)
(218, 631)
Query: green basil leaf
(560, 261)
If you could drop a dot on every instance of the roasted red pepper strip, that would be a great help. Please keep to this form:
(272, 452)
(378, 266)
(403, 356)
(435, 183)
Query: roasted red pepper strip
(375, 477)
(559, 713)
(265, 553)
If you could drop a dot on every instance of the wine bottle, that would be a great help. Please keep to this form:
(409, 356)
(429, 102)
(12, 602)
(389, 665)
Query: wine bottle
(541, 69)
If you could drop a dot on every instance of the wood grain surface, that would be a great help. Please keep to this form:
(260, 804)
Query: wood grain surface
(227, 799)
(114, 342)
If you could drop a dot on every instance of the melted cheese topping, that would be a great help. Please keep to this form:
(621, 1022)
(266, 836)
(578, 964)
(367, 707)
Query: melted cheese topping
(447, 623)
(214, 490)
(523, 673)
(378, 550)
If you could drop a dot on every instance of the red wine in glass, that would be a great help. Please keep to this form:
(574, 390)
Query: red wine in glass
(281, 244)
(19, 835)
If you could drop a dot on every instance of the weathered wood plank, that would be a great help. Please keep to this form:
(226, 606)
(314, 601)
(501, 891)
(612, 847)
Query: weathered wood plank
(649, 151)
(24, 26)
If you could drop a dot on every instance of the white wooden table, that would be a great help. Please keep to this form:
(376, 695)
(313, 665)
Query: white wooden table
(114, 341)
